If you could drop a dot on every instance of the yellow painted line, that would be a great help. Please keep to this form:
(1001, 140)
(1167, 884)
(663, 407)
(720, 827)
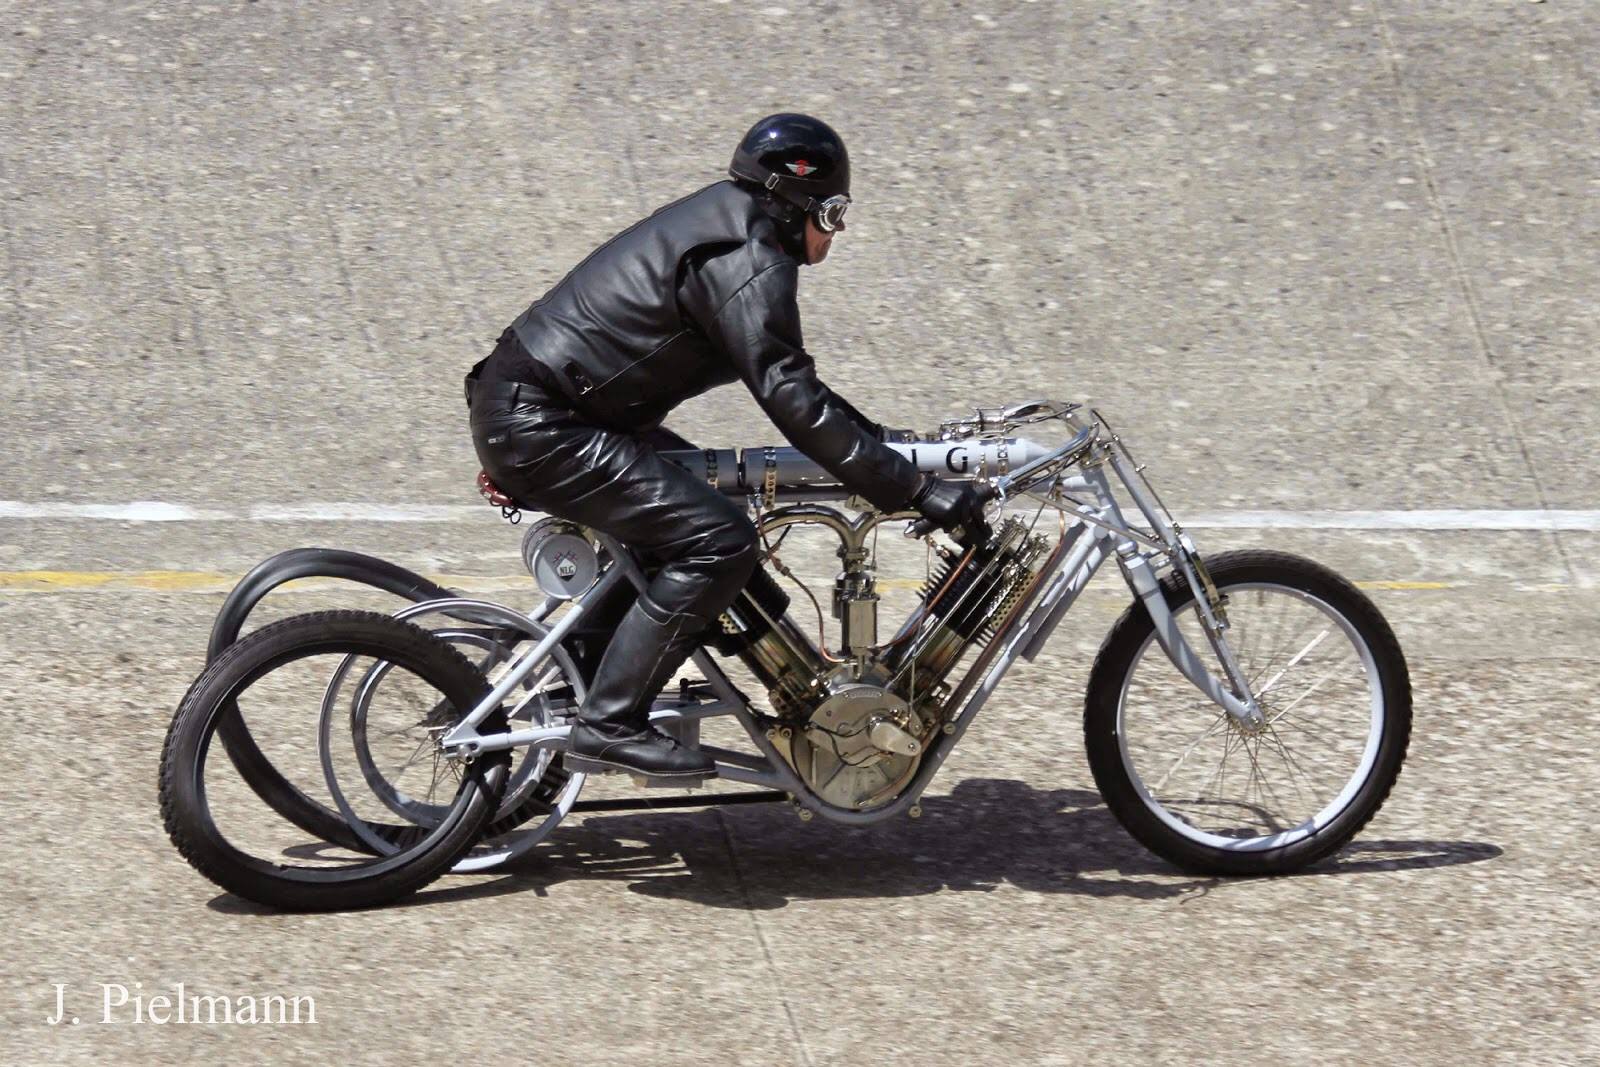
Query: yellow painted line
(918, 583)
(78, 581)
(215, 582)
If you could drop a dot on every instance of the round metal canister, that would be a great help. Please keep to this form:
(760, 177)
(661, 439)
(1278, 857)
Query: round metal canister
(561, 559)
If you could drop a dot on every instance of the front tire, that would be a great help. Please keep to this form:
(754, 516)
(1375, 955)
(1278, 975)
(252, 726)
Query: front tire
(1344, 656)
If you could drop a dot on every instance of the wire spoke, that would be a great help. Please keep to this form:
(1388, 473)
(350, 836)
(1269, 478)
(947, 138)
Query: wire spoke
(1313, 733)
(1287, 667)
(1291, 761)
(411, 760)
(1295, 774)
(1314, 687)
(1242, 623)
(1254, 775)
(1283, 613)
(1280, 650)
(1220, 776)
(1294, 760)
(1188, 751)
(403, 729)
(1263, 787)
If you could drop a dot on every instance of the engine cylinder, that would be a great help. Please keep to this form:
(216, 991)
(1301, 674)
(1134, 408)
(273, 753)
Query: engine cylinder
(748, 617)
(757, 629)
(787, 664)
(963, 601)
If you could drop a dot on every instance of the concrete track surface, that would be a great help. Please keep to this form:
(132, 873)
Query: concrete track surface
(1324, 257)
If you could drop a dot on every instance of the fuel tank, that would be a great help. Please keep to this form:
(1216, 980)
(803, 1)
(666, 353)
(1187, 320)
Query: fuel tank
(797, 477)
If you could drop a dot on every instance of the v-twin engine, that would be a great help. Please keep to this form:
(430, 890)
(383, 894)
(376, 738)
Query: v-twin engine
(855, 724)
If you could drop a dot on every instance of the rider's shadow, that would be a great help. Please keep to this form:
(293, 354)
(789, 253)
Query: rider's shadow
(986, 833)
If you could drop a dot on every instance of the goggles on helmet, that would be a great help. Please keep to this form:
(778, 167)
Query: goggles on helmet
(829, 214)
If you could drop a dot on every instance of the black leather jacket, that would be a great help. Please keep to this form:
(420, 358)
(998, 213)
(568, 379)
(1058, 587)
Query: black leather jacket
(699, 294)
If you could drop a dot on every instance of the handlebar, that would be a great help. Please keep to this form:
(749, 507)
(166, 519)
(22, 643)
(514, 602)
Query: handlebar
(1069, 452)
(1004, 485)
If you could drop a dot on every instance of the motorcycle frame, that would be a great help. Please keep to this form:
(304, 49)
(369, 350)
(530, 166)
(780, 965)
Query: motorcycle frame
(1074, 481)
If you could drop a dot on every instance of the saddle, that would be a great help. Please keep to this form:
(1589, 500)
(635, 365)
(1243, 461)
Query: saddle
(499, 498)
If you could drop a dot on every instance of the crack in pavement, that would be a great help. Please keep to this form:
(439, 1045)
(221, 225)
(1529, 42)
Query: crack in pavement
(1424, 159)
(761, 938)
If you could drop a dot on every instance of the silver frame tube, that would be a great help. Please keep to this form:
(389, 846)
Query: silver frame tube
(464, 740)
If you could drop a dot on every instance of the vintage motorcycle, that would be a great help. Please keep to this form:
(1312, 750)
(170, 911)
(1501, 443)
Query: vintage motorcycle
(1247, 714)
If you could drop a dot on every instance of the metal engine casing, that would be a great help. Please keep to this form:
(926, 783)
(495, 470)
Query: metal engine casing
(860, 744)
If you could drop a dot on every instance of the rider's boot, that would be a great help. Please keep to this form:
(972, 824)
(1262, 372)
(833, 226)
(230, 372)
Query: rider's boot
(602, 614)
(613, 727)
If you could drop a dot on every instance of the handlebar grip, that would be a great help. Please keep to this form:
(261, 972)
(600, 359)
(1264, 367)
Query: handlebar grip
(923, 527)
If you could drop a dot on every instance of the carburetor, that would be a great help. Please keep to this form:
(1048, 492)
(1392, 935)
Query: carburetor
(855, 603)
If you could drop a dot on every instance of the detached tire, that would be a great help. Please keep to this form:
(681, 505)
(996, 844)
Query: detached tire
(1169, 827)
(424, 856)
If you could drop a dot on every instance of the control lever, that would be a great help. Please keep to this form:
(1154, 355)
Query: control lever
(919, 528)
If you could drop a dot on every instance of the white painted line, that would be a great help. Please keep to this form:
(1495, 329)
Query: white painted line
(1422, 519)
(134, 511)
(367, 513)
(155, 511)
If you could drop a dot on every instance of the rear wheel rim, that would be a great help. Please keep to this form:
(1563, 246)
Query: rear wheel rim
(530, 767)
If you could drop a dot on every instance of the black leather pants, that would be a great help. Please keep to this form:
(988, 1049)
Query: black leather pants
(699, 544)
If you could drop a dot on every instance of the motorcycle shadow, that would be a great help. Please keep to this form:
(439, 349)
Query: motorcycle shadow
(986, 833)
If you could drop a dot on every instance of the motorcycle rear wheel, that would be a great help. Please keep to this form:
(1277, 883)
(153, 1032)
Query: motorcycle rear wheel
(539, 790)
(352, 881)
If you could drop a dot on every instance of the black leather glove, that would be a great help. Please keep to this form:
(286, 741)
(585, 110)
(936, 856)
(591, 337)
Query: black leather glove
(953, 506)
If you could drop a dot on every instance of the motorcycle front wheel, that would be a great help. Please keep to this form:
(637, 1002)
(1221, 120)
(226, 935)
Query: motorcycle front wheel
(1193, 785)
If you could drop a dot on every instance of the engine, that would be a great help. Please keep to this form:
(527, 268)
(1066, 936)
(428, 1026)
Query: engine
(860, 745)
(855, 724)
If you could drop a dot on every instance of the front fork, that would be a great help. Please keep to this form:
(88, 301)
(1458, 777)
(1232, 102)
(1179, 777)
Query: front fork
(1235, 697)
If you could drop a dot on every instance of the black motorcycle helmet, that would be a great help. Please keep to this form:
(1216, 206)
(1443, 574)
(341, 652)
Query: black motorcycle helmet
(801, 164)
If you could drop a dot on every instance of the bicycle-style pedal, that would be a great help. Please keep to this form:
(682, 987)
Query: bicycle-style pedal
(694, 691)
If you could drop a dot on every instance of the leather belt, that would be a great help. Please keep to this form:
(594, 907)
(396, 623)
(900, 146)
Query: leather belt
(513, 393)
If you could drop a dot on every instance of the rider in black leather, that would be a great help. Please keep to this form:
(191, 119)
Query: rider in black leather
(567, 410)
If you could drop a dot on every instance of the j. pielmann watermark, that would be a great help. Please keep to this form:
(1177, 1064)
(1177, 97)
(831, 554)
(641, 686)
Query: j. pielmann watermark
(115, 1003)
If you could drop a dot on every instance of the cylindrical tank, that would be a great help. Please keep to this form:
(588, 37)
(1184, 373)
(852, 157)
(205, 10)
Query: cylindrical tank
(797, 476)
